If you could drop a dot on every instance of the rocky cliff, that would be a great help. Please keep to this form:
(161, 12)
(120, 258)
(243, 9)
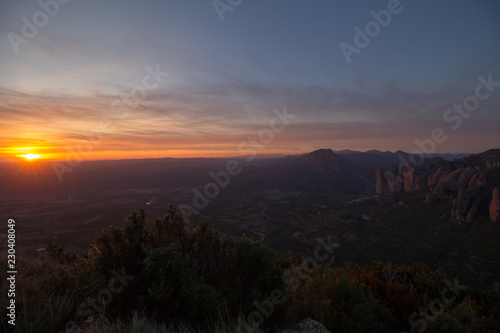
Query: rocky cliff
(495, 205)
(468, 182)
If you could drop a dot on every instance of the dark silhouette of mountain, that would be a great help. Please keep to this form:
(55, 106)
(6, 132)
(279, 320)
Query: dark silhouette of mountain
(322, 160)
(319, 172)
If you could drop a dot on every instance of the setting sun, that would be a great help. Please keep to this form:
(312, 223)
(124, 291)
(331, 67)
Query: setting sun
(31, 156)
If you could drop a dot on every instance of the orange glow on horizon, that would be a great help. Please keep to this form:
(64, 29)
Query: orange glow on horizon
(146, 154)
(30, 151)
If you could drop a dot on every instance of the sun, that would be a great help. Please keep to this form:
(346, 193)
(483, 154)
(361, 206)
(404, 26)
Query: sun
(31, 156)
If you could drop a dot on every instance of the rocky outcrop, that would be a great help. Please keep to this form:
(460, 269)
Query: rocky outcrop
(396, 179)
(435, 177)
(456, 183)
(495, 205)
(407, 178)
(473, 210)
(462, 181)
(462, 203)
(463, 187)
(308, 326)
(381, 182)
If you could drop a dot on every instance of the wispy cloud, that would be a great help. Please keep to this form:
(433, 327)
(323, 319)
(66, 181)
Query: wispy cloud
(219, 117)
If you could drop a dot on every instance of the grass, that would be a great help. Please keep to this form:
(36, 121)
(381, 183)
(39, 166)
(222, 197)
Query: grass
(141, 324)
(45, 297)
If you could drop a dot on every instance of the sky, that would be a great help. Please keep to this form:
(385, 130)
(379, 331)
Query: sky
(140, 79)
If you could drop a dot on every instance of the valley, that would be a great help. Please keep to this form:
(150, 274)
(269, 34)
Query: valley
(284, 203)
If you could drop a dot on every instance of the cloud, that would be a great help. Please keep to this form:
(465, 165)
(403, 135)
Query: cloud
(221, 116)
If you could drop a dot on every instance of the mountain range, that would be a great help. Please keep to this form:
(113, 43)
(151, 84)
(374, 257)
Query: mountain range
(323, 171)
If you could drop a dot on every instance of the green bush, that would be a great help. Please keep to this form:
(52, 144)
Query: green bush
(180, 273)
(327, 295)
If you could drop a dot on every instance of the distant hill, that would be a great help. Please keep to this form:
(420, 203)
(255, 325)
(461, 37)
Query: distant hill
(321, 171)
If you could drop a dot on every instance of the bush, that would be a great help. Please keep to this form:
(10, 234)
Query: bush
(327, 295)
(189, 274)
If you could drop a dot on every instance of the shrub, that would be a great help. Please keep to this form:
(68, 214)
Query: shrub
(328, 296)
(181, 273)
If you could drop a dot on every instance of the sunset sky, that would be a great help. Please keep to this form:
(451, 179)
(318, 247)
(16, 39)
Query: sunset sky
(60, 87)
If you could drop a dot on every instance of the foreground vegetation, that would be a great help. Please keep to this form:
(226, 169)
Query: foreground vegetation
(163, 276)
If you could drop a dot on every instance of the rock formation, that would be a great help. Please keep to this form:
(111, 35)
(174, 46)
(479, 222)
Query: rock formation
(495, 205)
(462, 181)
(381, 182)
(473, 210)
